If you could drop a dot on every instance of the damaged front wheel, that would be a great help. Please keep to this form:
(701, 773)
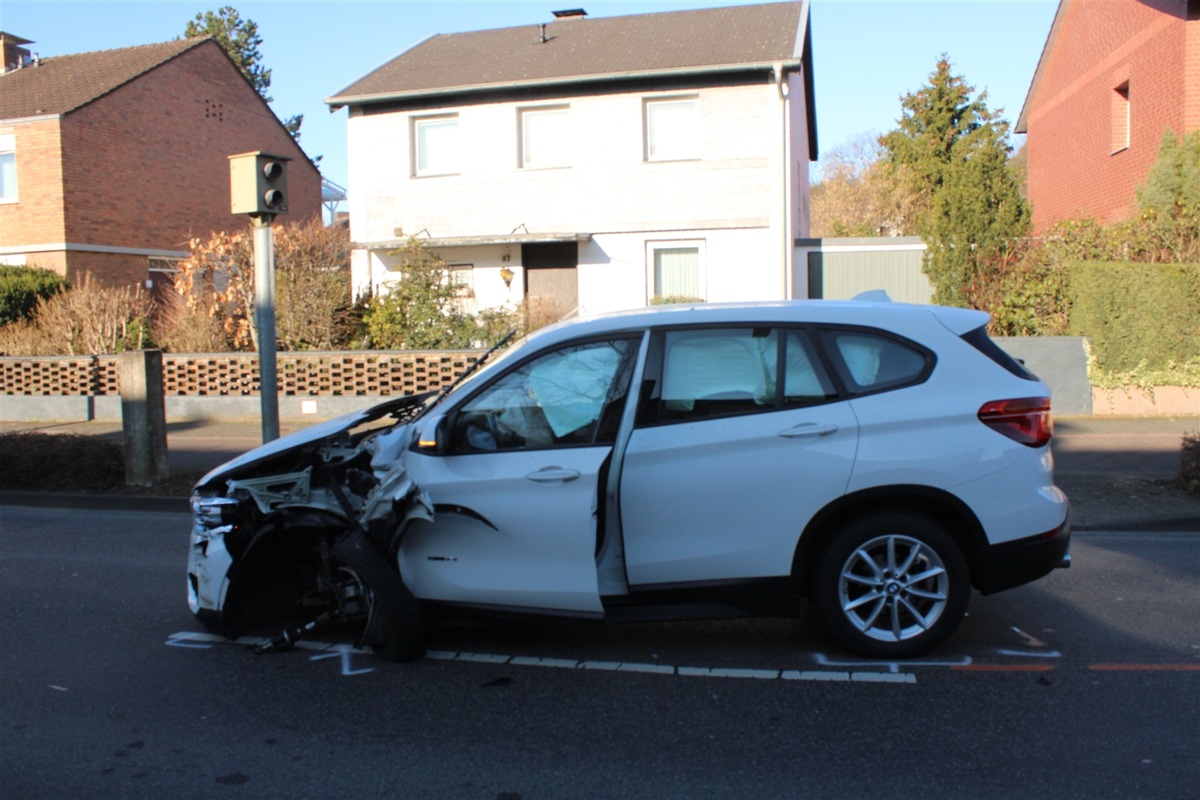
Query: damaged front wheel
(365, 584)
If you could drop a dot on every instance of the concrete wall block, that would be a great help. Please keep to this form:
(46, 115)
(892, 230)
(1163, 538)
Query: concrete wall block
(1061, 362)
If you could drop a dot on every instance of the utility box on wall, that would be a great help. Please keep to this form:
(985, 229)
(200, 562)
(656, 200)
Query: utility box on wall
(258, 183)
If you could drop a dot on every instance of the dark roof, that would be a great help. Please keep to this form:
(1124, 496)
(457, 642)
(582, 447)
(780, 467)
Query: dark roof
(577, 49)
(62, 84)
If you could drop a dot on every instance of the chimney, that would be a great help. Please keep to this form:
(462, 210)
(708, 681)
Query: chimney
(15, 56)
(570, 13)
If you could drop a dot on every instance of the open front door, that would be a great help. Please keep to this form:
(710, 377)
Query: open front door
(515, 493)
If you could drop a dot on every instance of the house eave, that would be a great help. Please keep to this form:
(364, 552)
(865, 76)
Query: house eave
(478, 241)
(338, 101)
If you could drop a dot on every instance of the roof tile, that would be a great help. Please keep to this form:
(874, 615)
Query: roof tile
(574, 49)
(62, 84)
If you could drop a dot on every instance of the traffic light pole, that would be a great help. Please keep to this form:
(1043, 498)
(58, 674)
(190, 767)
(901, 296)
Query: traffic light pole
(264, 321)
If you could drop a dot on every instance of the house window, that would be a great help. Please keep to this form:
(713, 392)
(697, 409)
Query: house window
(676, 271)
(1120, 118)
(8, 168)
(672, 129)
(435, 150)
(544, 138)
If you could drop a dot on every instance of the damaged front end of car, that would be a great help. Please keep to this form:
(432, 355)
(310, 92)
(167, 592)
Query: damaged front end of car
(301, 534)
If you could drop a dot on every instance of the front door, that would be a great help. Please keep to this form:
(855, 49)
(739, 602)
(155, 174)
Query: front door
(516, 492)
(551, 278)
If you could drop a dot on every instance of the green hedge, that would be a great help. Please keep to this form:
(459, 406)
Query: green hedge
(22, 287)
(1143, 321)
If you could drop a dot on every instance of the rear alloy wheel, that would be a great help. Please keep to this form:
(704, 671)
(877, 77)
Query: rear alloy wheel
(892, 585)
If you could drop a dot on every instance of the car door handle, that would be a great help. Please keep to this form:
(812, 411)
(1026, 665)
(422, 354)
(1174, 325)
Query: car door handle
(553, 475)
(809, 430)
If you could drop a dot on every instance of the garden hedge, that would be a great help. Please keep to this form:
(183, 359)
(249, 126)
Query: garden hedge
(1140, 318)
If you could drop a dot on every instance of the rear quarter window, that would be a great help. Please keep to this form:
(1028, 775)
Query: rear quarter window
(869, 362)
(980, 340)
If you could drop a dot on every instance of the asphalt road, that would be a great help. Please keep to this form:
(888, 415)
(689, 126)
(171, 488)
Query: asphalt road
(1082, 685)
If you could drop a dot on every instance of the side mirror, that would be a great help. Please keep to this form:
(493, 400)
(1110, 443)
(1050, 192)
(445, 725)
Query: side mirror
(433, 436)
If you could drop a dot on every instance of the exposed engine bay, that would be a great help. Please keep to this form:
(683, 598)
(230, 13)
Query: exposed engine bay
(300, 533)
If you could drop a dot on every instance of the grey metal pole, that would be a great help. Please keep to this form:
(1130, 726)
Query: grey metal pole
(264, 320)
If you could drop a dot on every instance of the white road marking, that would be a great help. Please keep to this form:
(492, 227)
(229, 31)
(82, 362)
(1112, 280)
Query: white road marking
(893, 666)
(344, 651)
(868, 672)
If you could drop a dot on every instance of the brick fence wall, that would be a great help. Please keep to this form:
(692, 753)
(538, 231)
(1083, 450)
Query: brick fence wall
(375, 373)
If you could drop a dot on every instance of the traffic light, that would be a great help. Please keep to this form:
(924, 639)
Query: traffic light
(258, 183)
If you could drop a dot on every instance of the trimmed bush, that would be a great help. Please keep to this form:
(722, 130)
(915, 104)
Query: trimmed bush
(22, 287)
(1143, 320)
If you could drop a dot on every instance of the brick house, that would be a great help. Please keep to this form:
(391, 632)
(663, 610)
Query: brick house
(1113, 78)
(112, 160)
(592, 163)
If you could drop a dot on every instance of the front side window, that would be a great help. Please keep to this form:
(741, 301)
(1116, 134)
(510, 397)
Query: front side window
(571, 396)
(672, 129)
(545, 141)
(8, 168)
(435, 148)
(676, 272)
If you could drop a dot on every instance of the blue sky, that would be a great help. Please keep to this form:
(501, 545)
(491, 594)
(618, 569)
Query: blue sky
(867, 53)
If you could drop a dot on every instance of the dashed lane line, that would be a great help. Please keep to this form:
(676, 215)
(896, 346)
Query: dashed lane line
(195, 640)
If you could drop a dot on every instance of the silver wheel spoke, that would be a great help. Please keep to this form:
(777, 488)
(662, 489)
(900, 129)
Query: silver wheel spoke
(926, 575)
(874, 615)
(866, 598)
(862, 580)
(917, 615)
(922, 594)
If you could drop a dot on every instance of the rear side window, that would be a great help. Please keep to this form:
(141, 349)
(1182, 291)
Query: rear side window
(869, 362)
(980, 340)
(709, 373)
(720, 372)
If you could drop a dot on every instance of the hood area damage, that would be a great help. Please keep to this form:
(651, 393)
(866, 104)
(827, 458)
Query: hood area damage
(299, 533)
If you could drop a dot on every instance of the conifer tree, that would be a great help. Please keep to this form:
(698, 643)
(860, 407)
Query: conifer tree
(955, 152)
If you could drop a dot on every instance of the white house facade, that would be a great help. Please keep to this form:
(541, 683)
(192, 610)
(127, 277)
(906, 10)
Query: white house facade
(592, 164)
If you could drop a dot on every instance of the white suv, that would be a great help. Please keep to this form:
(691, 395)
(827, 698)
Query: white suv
(680, 462)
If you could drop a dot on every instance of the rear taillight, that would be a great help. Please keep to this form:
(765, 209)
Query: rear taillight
(1025, 420)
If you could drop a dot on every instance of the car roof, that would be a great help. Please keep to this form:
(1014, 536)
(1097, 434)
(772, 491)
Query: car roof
(887, 315)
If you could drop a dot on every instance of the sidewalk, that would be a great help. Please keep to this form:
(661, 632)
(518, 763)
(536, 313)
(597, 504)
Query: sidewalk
(1114, 469)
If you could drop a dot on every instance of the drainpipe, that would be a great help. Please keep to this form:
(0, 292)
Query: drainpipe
(789, 245)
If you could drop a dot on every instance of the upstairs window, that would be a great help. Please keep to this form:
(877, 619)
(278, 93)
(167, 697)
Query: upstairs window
(544, 138)
(8, 168)
(1120, 118)
(672, 129)
(435, 146)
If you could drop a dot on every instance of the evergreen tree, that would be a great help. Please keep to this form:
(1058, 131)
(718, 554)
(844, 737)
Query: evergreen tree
(955, 151)
(239, 37)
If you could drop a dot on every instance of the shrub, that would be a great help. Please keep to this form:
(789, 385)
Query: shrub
(88, 319)
(1141, 319)
(22, 287)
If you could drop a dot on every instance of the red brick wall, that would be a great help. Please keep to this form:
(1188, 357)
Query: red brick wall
(1073, 169)
(147, 166)
(37, 218)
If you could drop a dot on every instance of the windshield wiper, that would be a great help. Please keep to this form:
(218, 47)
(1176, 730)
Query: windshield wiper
(468, 372)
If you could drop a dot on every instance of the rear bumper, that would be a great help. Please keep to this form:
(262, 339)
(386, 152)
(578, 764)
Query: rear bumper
(1003, 566)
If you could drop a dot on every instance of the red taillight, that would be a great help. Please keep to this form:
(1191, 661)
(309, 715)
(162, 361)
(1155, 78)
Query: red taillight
(1026, 420)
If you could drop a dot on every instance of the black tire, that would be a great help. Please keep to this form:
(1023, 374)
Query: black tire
(892, 585)
(394, 628)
